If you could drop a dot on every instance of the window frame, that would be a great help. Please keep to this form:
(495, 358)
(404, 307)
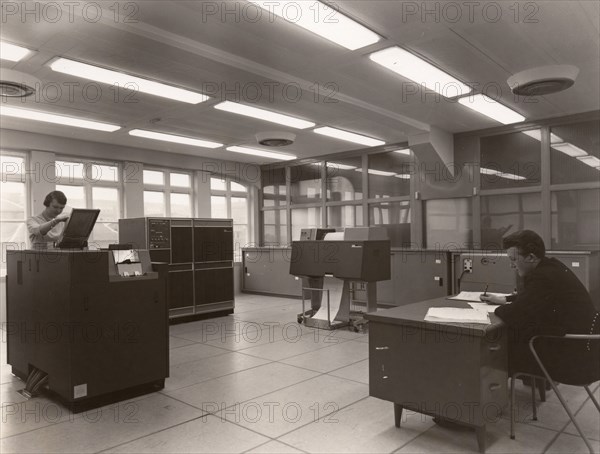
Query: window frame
(167, 189)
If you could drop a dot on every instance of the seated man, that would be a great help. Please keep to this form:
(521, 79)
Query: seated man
(552, 301)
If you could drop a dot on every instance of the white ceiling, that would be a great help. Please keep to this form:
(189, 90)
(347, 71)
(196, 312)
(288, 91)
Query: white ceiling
(274, 64)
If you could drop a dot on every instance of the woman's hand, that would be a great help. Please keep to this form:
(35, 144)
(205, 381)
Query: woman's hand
(493, 299)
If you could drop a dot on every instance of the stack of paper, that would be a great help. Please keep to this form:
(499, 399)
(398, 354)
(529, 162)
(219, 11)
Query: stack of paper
(484, 307)
(473, 296)
(456, 315)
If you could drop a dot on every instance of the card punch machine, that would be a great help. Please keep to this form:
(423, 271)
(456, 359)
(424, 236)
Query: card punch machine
(330, 263)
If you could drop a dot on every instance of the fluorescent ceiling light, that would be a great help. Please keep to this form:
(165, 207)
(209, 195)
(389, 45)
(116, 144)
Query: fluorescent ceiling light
(57, 119)
(404, 151)
(511, 176)
(537, 135)
(323, 20)
(173, 138)
(122, 80)
(508, 176)
(262, 153)
(262, 114)
(12, 52)
(490, 108)
(404, 176)
(569, 149)
(349, 136)
(418, 70)
(382, 173)
(335, 165)
(591, 161)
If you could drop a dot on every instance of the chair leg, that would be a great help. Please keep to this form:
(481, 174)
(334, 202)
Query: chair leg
(534, 407)
(512, 407)
(573, 420)
(542, 390)
(587, 388)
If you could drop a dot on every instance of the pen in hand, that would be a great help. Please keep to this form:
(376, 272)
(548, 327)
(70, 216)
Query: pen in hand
(485, 291)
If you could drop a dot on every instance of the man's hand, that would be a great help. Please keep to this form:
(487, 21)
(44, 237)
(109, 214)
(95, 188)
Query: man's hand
(493, 299)
(62, 218)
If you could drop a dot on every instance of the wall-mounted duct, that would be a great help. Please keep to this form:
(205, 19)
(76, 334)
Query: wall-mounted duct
(434, 146)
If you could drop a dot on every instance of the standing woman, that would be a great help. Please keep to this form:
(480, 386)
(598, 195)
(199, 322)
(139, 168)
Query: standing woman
(47, 227)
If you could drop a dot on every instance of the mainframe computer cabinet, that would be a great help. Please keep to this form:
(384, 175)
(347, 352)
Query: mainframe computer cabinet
(97, 335)
(199, 254)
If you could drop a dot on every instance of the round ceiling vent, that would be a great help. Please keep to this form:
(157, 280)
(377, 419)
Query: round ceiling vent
(543, 80)
(14, 84)
(275, 139)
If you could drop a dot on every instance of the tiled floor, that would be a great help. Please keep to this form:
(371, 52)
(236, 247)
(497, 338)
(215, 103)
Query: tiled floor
(258, 382)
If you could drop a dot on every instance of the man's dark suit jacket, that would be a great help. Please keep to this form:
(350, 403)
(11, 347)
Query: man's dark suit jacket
(553, 301)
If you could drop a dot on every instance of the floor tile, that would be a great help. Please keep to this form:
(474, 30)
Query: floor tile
(366, 426)
(20, 415)
(193, 352)
(176, 342)
(190, 373)
(358, 371)
(103, 428)
(333, 357)
(294, 344)
(202, 435)
(530, 439)
(223, 392)
(280, 412)
(274, 447)
(571, 444)
(588, 419)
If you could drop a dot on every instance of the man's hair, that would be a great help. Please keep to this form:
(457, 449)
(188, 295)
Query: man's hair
(526, 242)
(59, 196)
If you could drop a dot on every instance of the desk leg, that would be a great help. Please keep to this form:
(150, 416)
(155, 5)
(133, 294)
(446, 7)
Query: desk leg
(397, 414)
(481, 438)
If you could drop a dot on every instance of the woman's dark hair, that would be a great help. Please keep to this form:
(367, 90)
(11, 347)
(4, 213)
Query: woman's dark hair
(59, 196)
(526, 242)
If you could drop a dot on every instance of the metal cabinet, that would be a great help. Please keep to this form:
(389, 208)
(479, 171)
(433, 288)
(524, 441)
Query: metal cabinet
(266, 270)
(199, 254)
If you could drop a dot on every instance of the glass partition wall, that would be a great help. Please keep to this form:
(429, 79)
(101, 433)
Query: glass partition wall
(545, 177)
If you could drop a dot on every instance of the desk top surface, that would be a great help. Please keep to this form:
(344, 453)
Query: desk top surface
(414, 315)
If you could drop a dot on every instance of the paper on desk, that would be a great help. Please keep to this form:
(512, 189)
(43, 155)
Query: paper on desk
(484, 307)
(473, 296)
(337, 310)
(456, 315)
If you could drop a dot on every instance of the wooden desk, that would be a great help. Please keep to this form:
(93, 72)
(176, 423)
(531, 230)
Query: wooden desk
(449, 370)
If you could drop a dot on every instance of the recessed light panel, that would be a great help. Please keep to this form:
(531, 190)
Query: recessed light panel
(492, 109)
(12, 52)
(127, 81)
(261, 153)
(36, 115)
(322, 20)
(420, 71)
(348, 136)
(174, 138)
(263, 114)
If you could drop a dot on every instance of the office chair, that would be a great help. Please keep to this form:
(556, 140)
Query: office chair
(593, 377)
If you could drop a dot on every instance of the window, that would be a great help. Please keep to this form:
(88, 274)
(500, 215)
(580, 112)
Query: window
(395, 217)
(389, 174)
(574, 153)
(13, 205)
(229, 200)
(167, 193)
(511, 160)
(93, 185)
(576, 219)
(504, 214)
(448, 224)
